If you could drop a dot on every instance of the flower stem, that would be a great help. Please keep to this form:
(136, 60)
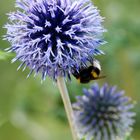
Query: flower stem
(67, 104)
(118, 138)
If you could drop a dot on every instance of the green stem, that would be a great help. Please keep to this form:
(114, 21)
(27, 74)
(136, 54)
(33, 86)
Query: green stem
(118, 138)
(67, 104)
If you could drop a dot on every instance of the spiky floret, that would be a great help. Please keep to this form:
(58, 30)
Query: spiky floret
(54, 36)
(103, 113)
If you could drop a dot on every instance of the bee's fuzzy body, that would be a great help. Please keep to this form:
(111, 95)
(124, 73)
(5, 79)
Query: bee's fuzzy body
(86, 74)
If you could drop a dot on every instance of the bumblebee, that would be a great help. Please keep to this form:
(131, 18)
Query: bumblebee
(86, 74)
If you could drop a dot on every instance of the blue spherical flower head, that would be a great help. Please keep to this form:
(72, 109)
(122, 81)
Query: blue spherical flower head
(54, 36)
(103, 114)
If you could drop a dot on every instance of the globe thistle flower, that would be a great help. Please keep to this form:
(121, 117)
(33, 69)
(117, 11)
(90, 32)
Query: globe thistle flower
(54, 36)
(103, 113)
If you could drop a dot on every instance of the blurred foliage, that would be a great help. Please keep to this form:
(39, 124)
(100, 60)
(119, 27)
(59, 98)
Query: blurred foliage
(129, 138)
(30, 110)
(4, 55)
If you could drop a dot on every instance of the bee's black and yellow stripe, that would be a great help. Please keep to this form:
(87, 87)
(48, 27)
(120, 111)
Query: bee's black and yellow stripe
(85, 75)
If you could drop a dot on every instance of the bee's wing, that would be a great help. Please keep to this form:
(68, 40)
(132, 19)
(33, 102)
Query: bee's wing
(100, 77)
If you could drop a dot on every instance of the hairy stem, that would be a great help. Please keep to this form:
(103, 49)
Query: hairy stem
(67, 104)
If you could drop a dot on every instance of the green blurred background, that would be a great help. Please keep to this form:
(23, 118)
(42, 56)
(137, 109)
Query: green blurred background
(30, 110)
